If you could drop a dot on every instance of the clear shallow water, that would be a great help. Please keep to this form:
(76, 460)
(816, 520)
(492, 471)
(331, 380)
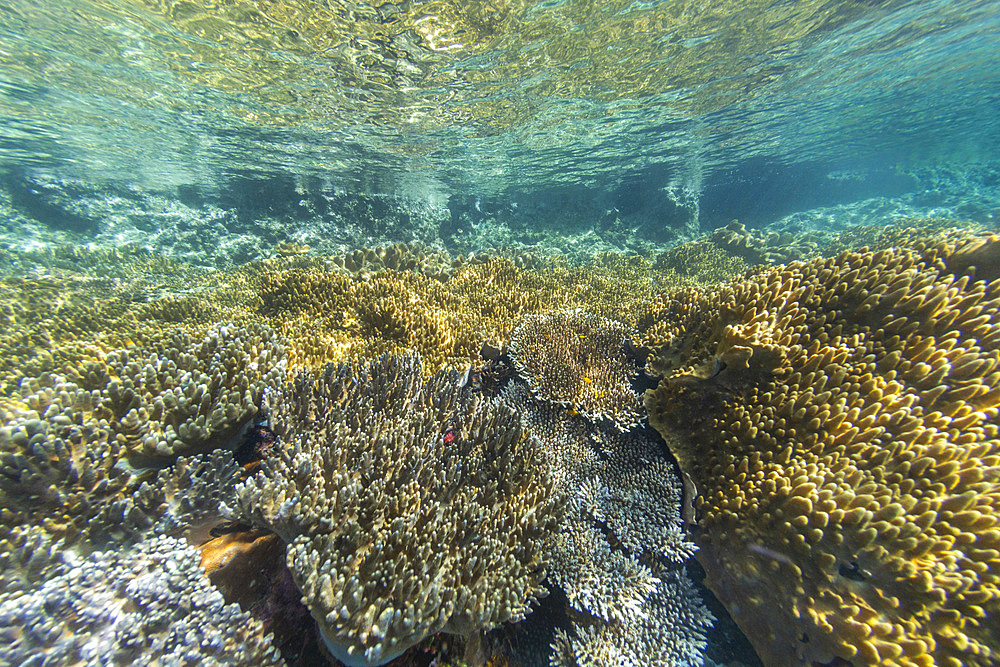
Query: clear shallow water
(151, 151)
(438, 98)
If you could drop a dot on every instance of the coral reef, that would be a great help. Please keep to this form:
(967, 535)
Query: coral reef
(408, 507)
(619, 551)
(123, 606)
(577, 359)
(187, 394)
(839, 418)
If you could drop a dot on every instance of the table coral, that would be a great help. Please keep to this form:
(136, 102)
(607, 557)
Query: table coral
(408, 507)
(577, 359)
(840, 420)
(619, 552)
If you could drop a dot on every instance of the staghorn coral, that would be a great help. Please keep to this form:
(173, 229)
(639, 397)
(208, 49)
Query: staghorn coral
(138, 605)
(574, 358)
(840, 419)
(409, 508)
(327, 316)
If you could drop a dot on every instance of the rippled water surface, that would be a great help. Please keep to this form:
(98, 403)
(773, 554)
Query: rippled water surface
(492, 97)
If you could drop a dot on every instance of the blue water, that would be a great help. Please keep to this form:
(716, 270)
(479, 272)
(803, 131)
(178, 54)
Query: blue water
(593, 100)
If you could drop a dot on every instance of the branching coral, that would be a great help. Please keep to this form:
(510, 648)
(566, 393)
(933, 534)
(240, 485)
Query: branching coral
(669, 631)
(128, 606)
(58, 456)
(65, 446)
(188, 395)
(409, 507)
(185, 500)
(840, 419)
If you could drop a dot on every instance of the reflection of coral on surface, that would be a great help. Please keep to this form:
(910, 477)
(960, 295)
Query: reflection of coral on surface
(840, 419)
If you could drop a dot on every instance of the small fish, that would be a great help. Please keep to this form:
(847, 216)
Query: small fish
(688, 513)
(769, 553)
(587, 380)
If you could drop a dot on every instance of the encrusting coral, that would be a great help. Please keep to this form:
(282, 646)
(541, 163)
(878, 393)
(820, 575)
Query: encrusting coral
(409, 507)
(839, 418)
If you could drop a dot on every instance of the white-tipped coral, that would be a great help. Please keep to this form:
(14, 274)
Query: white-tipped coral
(409, 508)
(140, 605)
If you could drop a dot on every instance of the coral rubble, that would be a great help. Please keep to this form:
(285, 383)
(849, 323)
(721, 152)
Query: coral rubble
(839, 418)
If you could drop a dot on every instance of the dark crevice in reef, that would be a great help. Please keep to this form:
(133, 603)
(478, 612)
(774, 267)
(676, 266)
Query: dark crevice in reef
(727, 645)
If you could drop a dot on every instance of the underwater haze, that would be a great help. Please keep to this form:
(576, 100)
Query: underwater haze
(575, 332)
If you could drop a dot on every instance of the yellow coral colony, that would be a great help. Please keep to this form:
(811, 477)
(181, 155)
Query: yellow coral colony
(840, 420)
(576, 359)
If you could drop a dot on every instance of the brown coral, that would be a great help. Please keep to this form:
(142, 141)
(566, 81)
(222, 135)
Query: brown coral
(577, 359)
(840, 419)
(409, 508)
